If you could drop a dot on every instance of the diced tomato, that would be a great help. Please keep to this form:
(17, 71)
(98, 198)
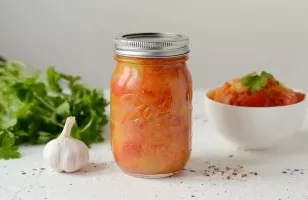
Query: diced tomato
(240, 98)
(289, 101)
(286, 98)
(277, 102)
(233, 98)
(256, 99)
(300, 96)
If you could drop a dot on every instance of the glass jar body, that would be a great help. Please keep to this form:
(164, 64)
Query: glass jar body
(151, 104)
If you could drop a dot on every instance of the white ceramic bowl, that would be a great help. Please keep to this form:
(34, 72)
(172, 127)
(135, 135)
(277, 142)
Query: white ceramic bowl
(255, 128)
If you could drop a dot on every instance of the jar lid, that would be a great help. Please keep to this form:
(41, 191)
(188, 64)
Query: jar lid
(151, 44)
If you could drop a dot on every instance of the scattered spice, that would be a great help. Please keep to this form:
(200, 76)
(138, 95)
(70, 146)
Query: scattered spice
(226, 172)
(293, 171)
(230, 156)
(42, 168)
(23, 173)
(192, 195)
(284, 172)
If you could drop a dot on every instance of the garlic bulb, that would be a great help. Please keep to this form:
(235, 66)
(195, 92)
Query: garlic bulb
(66, 154)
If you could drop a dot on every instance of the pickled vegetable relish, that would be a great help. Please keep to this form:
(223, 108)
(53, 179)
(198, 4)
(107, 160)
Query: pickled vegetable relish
(255, 90)
(151, 114)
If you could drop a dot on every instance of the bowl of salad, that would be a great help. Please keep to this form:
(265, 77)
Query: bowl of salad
(255, 111)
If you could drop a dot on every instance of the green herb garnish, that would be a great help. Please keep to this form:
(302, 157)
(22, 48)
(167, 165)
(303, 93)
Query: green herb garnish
(33, 108)
(256, 82)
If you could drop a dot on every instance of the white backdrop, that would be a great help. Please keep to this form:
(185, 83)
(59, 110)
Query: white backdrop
(228, 37)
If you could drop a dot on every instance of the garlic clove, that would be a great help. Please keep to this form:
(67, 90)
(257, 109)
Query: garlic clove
(66, 154)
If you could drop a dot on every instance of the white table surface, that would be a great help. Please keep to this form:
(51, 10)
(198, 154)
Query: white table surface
(103, 180)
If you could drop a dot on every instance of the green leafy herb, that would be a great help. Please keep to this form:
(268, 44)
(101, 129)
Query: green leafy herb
(256, 82)
(7, 148)
(33, 108)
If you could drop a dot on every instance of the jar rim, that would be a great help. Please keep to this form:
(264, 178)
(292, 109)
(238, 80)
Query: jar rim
(151, 44)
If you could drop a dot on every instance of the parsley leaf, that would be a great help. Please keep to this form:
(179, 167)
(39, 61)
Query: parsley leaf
(33, 107)
(9, 152)
(256, 82)
(7, 148)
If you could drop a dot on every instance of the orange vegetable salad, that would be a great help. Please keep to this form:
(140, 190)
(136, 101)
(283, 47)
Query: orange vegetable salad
(151, 114)
(255, 90)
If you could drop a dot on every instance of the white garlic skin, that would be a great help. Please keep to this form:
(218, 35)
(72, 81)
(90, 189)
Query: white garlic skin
(66, 154)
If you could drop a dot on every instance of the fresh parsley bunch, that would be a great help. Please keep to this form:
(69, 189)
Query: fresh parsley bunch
(33, 108)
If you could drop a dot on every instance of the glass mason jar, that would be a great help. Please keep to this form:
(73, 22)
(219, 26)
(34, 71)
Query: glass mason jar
(151, 104)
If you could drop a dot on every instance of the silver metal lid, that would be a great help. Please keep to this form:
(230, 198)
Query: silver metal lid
(151, 44)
